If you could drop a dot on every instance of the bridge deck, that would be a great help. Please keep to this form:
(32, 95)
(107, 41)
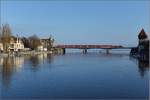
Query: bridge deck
(92, 47)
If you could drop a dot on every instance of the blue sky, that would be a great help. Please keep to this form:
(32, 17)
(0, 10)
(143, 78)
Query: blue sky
(79, 22)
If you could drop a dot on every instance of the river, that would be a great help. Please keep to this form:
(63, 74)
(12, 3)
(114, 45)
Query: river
(74, 75)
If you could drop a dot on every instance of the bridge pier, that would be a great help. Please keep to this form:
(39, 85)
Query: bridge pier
(63, 50)
(84, 51)
(107, 51)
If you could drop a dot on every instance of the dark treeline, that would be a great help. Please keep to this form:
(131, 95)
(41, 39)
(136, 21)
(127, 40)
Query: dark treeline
(31, 42)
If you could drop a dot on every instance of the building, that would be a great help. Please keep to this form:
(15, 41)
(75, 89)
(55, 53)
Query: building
(16, 44)
(142, 50)
(47, 43)
(143, 46)
(40, 48)
(1, 46)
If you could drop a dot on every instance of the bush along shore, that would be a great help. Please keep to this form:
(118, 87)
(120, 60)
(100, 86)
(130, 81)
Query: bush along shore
(141, 52)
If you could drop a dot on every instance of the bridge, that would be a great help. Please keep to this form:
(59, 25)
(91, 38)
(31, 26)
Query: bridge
(85, 47)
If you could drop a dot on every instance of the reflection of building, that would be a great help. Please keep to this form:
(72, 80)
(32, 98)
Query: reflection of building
(14, 62)
(1, 61)
(142, 65)
(42, 57)
(16, 44)
(18, 62)
(9, 65)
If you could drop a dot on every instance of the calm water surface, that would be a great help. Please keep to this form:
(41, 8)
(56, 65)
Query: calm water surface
(74, 75)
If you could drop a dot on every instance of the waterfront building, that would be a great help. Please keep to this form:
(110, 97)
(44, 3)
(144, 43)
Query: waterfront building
(16, 44)
(47, 43)
(40, 48)
(1, 46)
(143, 46)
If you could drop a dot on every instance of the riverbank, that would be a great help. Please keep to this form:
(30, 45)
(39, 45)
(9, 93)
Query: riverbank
(141, 53)
(25, 53)
(22, 53)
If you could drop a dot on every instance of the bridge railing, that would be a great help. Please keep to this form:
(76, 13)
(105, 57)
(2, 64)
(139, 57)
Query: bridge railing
(88, 46)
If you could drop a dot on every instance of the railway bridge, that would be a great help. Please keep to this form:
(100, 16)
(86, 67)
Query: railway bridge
(86, 47)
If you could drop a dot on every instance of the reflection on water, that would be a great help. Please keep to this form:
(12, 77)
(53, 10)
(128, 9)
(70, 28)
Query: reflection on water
(73, 75)
(143, 66)
(36, 60)
(10, 65)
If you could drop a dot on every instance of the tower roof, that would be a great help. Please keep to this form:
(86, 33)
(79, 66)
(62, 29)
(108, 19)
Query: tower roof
(142, 35)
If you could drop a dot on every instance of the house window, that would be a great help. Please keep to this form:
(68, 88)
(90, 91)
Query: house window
(12, 45)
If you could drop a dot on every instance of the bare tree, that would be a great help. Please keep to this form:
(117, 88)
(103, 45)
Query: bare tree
(51, 42)
(34, 42)
(25, 41)
(6, 36)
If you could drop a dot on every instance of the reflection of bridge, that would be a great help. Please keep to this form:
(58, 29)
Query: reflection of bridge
(85, 47)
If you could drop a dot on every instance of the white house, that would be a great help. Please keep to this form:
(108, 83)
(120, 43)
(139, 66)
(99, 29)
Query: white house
(16, 44)
(40, 48)
(1, 46)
